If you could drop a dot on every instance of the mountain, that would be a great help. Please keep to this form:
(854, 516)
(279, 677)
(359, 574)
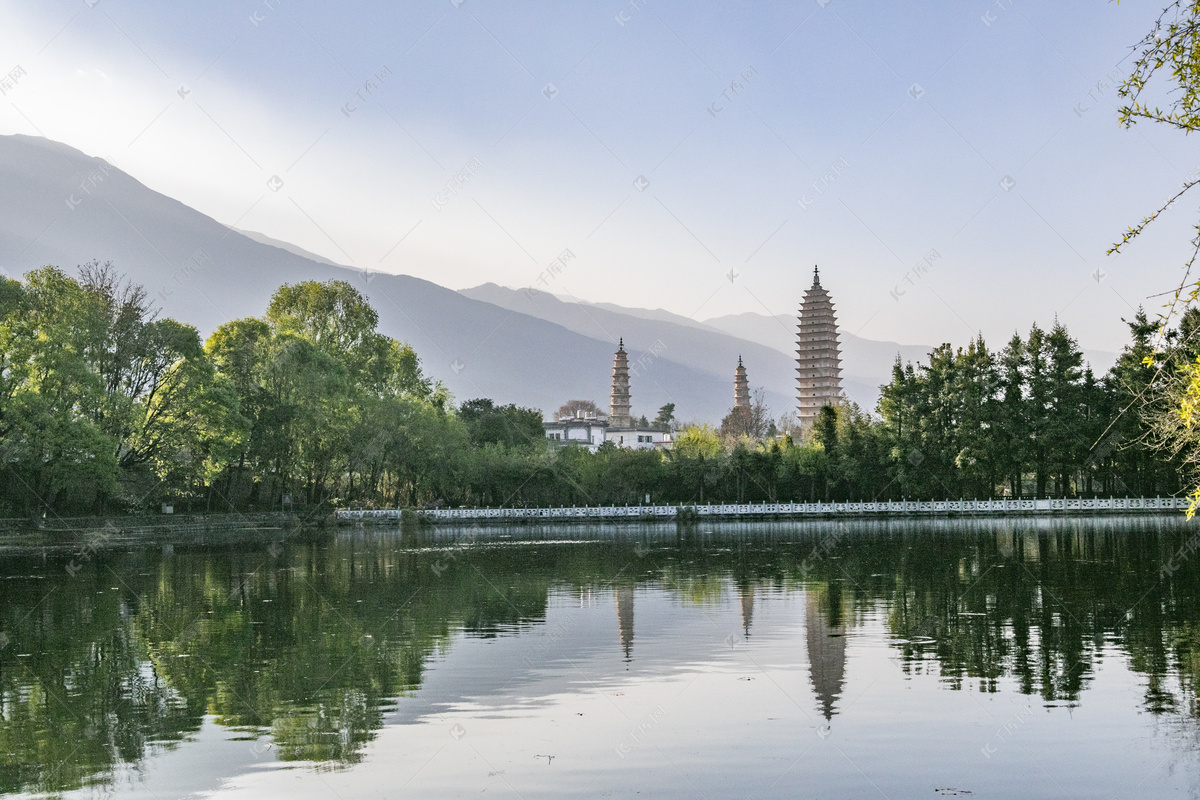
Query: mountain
(658, 314)
(697, 345)
(59, 206)
(649, 338)
(862, 359)
(262, 238)
(765, 343)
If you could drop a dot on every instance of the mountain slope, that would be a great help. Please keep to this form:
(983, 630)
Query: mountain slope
(296, 250)
(864, 358)
(59, 206)
(648, 339)
(703, 347)
(860, 357)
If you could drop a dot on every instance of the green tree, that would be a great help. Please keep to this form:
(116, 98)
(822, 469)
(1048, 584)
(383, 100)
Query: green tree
(1038, 412)
(977, 388)
(1170, 54)
(898, 409)
(57, 454)
(1065, 433)
(333, 316)
(1012, 444)
(488, 423)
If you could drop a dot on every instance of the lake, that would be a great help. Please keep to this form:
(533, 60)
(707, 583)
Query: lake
(983, 658)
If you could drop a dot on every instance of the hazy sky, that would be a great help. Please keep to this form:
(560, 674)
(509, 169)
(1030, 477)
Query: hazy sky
(951, 166)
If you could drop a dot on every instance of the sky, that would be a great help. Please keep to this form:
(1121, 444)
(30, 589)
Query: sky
(953, 167)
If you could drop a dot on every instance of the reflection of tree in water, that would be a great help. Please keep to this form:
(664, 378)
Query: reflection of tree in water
(308, 648)
(311, 646)
(74, 697)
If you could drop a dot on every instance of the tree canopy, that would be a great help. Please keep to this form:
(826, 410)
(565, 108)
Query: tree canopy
(1163, 87)
(106, 406)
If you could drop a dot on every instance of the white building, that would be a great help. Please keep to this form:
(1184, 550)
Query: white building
(594, 430)
(583, 431)
(638, 438)
(591, 432)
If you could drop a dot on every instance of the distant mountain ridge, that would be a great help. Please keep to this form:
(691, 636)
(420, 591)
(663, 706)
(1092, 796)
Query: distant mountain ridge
(62, 207)
(862, 359)
(864, 356)
(651, 337)
(295, 250)
(766, 343)
(713, 346)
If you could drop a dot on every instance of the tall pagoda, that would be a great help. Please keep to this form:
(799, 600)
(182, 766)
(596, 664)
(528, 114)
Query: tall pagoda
(818, 357)
(741, 387)
(618, 401)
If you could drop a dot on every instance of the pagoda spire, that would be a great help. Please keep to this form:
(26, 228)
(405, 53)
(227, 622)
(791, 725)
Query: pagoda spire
(816, 277)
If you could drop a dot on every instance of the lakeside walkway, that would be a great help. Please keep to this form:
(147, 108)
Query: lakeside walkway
(932, 508)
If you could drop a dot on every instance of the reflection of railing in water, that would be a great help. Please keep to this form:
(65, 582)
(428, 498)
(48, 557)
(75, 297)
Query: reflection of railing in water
(147, 522)
(1062, 505)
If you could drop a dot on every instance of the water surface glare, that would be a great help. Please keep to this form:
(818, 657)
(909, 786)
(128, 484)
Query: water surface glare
(982, 658)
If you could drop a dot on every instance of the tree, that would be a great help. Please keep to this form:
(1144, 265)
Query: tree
(699, 441)
(750, 422)
(788, 425)
(1012, 443)
(570, 409)
(1067, 427)
(977, 385)
(1038, 415)
(333, 315)
(862, 454)
(239, 351)
(825, 434)
(1173, 45)
(937, 412)
(736, 424)
(105, 405)
(695, 460)
(488, 423)
(898, 408)
(56, 452)
(666, 417)
(804, 467)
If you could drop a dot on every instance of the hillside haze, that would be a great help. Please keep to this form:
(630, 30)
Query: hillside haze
(863, 360)
(59, 206)
(860, 357)
(654, 335)
(764, 343)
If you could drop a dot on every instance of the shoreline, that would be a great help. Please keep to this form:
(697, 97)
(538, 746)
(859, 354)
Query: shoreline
(68, 530)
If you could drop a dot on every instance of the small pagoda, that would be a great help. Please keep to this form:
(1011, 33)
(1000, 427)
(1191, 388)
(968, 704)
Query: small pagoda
(741, 387)
(618, 402)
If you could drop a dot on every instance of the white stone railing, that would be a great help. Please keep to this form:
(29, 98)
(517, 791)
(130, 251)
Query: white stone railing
(1037, 506)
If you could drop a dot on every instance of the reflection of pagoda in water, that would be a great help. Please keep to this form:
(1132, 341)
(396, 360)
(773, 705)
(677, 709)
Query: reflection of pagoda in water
(625, 619)
(746, 595)
(825, 637)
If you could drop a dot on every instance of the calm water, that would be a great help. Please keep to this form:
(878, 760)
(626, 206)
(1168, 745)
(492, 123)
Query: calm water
(1000, 659)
